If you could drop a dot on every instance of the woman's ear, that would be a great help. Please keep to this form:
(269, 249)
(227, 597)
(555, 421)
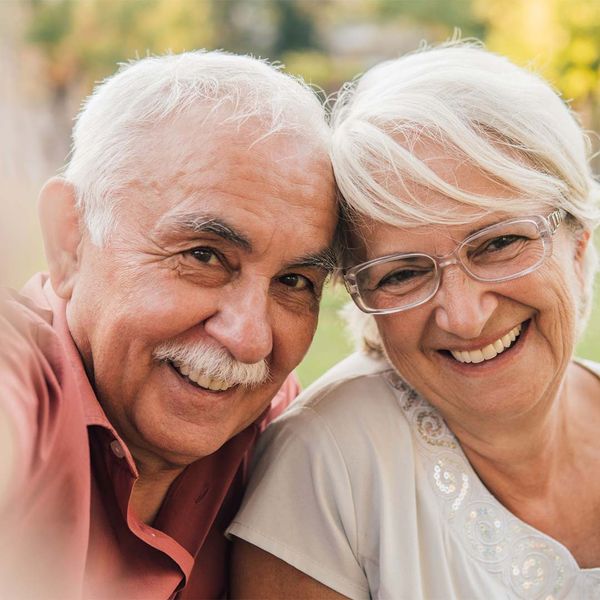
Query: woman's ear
(60, 222)
(582, 241)
(581, 244)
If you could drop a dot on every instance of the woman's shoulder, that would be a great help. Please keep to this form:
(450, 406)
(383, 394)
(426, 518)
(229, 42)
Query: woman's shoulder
(355, 405)
(356, 388)
(346, 380)
(590, 365)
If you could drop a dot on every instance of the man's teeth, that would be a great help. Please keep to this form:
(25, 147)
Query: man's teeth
(215, 385)
(490, 351)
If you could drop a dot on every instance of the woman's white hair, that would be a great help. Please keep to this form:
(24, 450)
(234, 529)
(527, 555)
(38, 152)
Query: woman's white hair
(115, 120)
(483, 109)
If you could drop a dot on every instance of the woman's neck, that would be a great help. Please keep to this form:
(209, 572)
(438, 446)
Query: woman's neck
(536, 465)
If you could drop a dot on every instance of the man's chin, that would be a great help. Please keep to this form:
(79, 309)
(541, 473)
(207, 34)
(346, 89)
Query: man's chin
(177, 441)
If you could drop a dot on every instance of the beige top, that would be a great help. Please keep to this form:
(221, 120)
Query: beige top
(362, 486)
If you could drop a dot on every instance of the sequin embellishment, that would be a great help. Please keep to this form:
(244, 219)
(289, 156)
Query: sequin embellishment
(530, 565)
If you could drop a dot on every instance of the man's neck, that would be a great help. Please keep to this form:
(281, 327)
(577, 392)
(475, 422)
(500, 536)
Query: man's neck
(149, 493)
(151, 486)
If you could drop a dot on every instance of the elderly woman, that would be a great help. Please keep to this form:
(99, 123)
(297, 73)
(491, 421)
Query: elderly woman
(459, 458)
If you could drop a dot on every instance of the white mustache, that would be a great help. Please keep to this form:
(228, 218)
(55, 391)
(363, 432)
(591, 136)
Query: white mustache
(214, 362)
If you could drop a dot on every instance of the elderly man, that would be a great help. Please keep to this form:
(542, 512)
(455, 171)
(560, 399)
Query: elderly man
(187, 246)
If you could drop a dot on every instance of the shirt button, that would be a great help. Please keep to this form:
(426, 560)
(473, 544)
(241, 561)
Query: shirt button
(117, 449)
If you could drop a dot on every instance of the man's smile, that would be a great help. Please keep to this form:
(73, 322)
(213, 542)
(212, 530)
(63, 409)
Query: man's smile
(200, 379)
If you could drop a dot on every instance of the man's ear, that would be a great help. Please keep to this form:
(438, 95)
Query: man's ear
(59, 218)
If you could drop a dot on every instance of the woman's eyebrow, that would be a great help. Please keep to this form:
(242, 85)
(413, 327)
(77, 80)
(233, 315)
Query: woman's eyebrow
(486, 224)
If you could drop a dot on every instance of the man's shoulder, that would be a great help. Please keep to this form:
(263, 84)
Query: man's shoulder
(26, 329)
(39, 386)
(28, 308)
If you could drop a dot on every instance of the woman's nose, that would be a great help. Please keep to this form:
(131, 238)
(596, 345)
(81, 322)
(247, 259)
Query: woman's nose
(463, 305)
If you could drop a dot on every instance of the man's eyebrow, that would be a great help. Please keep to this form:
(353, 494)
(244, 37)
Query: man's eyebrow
(325, 259)
(194, 223)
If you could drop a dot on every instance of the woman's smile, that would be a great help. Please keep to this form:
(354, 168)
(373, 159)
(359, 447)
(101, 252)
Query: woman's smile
(489, 351)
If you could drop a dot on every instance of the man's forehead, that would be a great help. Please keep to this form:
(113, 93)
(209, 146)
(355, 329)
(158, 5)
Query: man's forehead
(212, 159)
(202, 126)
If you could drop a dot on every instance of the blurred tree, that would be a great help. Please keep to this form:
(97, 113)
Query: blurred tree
(447, 14)
(295, 27)
(51, 25)
(85, 39)
(244, 26)
(81, 41)
(561, 38)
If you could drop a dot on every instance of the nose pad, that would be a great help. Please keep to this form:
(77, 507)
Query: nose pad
(242, 325)
(463, 305)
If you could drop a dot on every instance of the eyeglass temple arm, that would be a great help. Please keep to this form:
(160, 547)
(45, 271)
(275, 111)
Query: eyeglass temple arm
(556, 218)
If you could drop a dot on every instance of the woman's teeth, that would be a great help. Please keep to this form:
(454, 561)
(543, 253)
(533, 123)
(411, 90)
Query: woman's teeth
(490, 351)
(212, 384)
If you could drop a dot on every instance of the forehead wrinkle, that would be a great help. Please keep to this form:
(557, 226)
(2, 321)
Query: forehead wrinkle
(205, 223)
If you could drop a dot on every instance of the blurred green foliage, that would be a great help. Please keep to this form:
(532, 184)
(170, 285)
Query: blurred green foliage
(331, 342)
(561, 38)
(448, 15)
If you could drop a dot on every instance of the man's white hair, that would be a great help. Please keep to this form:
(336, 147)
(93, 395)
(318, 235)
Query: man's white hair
(115, 120)
(481, 108)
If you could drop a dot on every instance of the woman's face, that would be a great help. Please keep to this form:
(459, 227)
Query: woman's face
(466, 316)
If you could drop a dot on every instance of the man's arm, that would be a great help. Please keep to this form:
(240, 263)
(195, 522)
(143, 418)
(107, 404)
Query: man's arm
(19, 413)
(7, 456)
(7, 434)
(258, 574)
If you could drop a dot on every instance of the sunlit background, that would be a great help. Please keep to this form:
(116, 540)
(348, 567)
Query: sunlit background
(52, 52)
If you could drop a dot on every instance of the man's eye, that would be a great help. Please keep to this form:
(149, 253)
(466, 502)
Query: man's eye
(205, 255)
(297, 282)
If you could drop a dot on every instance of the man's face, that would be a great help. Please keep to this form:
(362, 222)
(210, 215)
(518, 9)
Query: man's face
(218, 244)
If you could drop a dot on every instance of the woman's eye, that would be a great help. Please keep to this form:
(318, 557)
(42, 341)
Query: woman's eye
(399, 277)
(205, 255)
(501, 242)
(297, 282)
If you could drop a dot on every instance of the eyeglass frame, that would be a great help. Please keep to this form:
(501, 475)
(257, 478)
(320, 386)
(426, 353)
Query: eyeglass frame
(549, 225)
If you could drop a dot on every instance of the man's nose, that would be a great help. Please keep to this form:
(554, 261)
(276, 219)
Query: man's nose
(463, 305)
(242, 323)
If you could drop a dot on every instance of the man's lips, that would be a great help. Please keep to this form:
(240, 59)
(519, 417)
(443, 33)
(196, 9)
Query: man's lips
(201, 380)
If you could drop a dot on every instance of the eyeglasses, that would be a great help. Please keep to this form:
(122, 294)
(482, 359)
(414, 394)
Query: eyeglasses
(501, 252)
